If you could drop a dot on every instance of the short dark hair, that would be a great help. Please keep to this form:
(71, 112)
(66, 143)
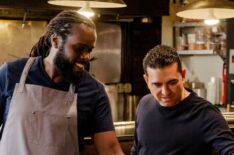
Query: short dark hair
(60, 25)
(161, 56)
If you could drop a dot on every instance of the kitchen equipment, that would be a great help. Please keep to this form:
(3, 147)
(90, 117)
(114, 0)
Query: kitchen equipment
(124, 128)
(213, 90)
(224, 83)
(107, 67)
(198, 88)
(200, 92)
(130, 107)
(112, 93)
(230, 79)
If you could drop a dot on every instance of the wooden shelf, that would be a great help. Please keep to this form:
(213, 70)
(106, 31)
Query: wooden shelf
(196, 52)
(193, 24)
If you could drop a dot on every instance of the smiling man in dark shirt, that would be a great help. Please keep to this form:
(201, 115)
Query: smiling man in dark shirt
(48, 103)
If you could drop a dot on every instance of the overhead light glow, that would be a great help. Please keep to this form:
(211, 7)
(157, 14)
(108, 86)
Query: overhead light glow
(86, 10)
(200, 9)
(211, 21)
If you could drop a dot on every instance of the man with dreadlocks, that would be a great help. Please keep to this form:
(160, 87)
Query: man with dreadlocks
(48, 102)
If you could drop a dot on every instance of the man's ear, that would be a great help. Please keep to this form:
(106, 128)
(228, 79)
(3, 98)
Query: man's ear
(145, 78)
(55, 40)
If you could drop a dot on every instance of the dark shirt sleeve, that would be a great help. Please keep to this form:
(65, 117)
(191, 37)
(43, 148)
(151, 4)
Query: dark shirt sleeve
(134, 147)
(2, 86)
(217, 133)
(102, 117)
(9, 74)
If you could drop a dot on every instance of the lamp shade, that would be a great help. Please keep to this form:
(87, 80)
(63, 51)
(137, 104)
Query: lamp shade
(201, 9)
(92, 3)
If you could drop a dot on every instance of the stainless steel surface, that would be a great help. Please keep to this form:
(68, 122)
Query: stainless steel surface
(107, 67)
(229, 117)
(112, 92)
(16, 41)
(130, 107)
(125, 128)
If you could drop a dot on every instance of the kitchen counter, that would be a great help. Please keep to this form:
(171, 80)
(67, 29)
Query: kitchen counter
(229, 117)
(125, 133)
(125, 129)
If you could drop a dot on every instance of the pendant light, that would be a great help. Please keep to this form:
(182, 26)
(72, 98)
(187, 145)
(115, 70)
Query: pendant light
(92, 3)
(88, 4)
(212, 20)
(202, 9)
(86, 10)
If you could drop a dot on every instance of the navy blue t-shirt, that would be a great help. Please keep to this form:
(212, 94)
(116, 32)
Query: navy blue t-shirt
(94, 113)
(192, 127)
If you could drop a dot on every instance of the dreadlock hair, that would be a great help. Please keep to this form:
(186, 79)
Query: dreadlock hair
(60, 25)
(161, 56)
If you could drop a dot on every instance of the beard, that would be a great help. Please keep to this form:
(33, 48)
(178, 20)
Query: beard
(65, 67)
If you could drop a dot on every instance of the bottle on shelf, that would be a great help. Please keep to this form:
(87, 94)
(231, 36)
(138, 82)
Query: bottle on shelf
(213, 91)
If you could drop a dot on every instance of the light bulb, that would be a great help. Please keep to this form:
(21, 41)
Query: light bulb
(211, 21)
(86, 10)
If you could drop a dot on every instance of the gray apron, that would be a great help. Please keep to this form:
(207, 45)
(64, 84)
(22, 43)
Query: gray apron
(41, 120)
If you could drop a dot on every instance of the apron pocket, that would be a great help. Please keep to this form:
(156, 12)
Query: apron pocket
(47, 130)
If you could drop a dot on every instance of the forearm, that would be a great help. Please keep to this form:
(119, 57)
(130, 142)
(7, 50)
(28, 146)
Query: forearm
(107, 144)
(113, 149)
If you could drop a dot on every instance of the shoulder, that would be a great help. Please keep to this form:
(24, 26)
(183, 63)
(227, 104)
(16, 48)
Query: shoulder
(89, 82)
(91, 90)
(14, 65)
(12, 69)
(204, 108)
(146, 101)
(10, 73)
(200, 103)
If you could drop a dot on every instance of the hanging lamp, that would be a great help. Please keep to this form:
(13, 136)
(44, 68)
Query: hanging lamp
(92, 3)
(202, 9)
(86, 10)
(212, 20)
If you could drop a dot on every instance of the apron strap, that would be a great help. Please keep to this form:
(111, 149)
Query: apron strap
(25, 73)
(71, 93)
(70, 99)
(72, 88)
(73, 108)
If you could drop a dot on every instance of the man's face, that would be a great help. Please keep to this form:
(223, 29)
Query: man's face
(165, 84)
(72, 56)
